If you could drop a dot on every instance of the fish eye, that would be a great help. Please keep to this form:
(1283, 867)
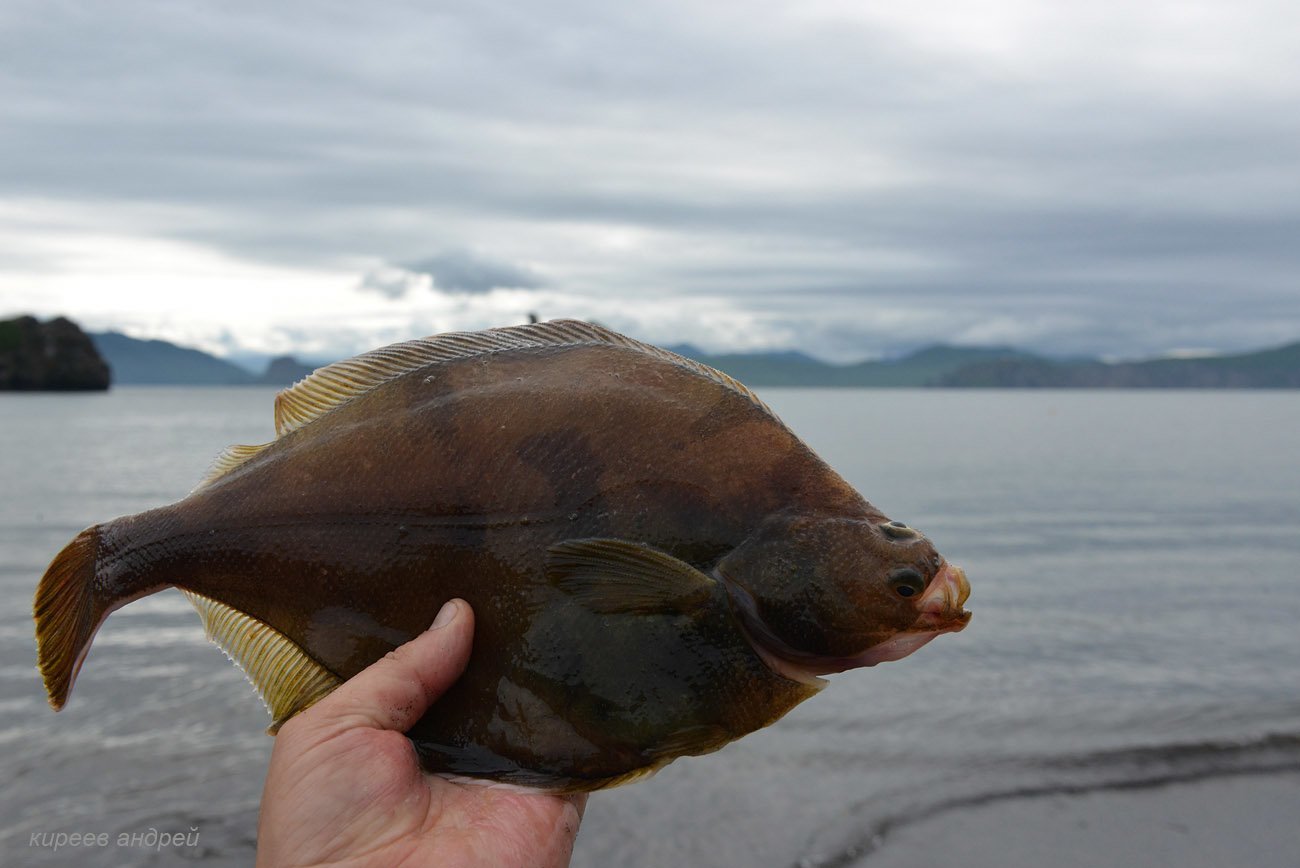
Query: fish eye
(906, 582)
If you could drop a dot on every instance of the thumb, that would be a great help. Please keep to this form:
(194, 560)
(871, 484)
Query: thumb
(395, 691)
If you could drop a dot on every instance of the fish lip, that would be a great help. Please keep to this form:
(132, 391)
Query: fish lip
(940, 607)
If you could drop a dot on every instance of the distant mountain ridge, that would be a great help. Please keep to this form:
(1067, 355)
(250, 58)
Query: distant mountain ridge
(1277, 368)
(158, 362)
(284, 371)
(792, 368)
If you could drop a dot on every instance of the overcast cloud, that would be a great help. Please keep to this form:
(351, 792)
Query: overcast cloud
(453, 271)
(319, 177)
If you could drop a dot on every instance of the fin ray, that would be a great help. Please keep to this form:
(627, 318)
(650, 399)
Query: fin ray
(67, 611)
(614, 576)
(693, 741)
(228, 461)
(336, 384)
(285, 677)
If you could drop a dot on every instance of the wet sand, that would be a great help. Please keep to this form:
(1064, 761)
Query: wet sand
(1233, 822)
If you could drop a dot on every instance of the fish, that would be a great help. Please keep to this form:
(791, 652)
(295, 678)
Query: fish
(657, 564)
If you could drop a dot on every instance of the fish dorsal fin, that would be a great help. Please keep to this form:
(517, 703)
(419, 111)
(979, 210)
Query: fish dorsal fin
(617, 577)
(333, 385)
(228, 461)
(285, 677)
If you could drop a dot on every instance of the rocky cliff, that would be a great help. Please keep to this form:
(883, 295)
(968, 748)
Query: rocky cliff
(54, 356)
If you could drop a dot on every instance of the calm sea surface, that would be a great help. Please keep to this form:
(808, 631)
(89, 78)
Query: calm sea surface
(1136, 596)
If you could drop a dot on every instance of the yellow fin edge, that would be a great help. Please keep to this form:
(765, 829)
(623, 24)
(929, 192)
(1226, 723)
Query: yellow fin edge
(228, 461)
(285, 677)
(336, 384)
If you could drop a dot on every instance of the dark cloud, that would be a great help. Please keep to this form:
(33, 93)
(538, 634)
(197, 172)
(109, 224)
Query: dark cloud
(854, 179)
(465, 271)
(389, 282)
(452, 271)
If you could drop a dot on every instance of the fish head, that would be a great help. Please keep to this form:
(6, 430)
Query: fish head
(820, 594)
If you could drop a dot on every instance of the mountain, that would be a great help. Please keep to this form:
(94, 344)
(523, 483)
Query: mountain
(790, 368)
(285, 371)
(1277, 368)
(159, 362)
(156, 362)
(776, 368)
(924, 366)
(54, 356)
(152, 362)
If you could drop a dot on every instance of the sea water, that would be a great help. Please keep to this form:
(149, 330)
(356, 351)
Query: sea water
(1133, 558)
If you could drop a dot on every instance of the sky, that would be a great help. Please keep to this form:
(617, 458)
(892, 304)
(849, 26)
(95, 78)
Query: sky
(850, 179)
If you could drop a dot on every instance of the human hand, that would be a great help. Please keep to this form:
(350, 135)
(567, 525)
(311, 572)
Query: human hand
(344, 786)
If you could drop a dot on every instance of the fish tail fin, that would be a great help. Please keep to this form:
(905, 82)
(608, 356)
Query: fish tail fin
(68, 609)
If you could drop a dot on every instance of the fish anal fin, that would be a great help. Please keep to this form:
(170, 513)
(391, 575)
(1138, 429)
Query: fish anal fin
(287, 679)
(532, 783)
(228, 461)
(617, 577)
(336, 384)
(693, 741)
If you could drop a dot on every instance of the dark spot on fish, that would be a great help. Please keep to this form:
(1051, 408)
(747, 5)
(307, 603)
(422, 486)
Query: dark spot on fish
(345, 639)
(717, 420)
(564, 457)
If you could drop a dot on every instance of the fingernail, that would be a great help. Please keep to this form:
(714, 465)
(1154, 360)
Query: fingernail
(446, 614)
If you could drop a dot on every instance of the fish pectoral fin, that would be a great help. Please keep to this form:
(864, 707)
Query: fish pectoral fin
(617, 577)
(286, 678)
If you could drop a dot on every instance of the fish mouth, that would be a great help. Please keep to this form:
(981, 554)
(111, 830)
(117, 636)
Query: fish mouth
(940, 606)
(940, 611)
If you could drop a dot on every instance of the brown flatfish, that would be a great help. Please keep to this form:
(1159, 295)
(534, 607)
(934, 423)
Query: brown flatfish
(657, 565)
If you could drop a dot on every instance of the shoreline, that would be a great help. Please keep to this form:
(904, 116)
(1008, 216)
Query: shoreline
(1246, 820)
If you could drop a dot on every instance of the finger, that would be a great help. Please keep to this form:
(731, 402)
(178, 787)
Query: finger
(395, 691)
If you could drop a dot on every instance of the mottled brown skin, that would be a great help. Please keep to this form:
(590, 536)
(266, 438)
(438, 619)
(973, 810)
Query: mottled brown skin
(348, 534)
(816, 582)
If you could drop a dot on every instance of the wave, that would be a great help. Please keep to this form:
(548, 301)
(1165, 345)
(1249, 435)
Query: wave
(1136, 768)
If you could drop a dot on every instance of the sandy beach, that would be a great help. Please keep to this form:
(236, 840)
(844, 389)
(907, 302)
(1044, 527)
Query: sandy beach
(1233, 822)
